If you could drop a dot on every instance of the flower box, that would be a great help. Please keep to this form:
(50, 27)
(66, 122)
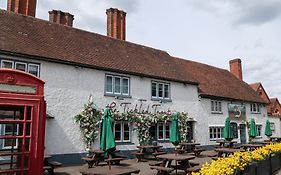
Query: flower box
(275, 162)
(263, 167)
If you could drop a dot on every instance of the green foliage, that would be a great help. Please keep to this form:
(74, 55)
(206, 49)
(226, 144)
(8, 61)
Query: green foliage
(90, 118)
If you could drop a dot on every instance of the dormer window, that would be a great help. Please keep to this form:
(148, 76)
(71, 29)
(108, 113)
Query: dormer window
(255, 108)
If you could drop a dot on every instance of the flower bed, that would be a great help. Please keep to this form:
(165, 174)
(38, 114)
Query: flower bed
(261, 161)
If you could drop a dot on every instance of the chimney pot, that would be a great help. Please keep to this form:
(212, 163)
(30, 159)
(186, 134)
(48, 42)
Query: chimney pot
(25, 7)
(59, 17)
(116, 23)
(236, 68)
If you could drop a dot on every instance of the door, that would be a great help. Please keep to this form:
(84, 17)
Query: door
(242, 128)
(15, 139)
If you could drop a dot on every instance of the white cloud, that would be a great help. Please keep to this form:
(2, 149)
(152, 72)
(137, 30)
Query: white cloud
(239, 12)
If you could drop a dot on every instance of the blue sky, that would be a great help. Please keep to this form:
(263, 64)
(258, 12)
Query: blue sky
(211, 32)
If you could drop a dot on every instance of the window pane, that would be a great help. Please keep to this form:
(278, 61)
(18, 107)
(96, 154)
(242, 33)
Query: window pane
(160, 131)
(125, 86)
(152, 132)
(160, 90)
(211, 133)
(21, 66)
(33, 69)
(117, 85)
(219, 106)
(126, 132)
(167, 131)
(6, 64)
(166, 91)
(109, 84)
(153, 90)
(117, 131)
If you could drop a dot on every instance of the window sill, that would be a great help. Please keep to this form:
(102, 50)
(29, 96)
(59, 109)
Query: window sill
(255, 112)
(161, 100)
(214, 112)
(117, 96)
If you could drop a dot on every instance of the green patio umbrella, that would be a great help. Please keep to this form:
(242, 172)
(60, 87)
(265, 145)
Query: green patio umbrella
(253, 129)
(107, 141)
(268, 131)
(174, 131)
(227, 131)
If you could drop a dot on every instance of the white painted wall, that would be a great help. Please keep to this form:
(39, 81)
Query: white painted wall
(208, 119)
(67, 88)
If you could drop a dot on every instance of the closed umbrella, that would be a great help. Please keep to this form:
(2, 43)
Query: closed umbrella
(174, 131)
(227, 131)
(253, 129)
(107, 141)
(268, 131)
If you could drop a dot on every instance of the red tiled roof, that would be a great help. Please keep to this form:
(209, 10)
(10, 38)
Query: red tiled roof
(255, 86)
(32, 36)
(41, 39)
(218, 82)
(274, 104)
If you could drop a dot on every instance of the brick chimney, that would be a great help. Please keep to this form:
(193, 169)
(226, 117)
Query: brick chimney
(25, 7)
(236, 68)
(59, 17)
(116, 23)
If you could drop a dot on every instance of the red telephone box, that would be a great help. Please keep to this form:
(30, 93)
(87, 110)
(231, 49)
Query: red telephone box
(22, 123)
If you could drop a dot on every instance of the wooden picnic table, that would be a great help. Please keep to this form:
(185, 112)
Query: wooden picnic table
(275, 139)
(182, 159)
(96, 157)
(222, 143)
(148, 150)
(192, 145)
(250, 147)
(50, 165)
(224, 152)
(104, 170)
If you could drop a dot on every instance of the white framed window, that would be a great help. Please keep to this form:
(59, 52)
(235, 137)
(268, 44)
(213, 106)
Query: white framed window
(216, 132)
(7, 64)
(9, 130)
(255, 108)
(163, 131)
(216, 106)
(160, 90)
(21, 66)
(31, 68)
(122, 131)
(259, 131)
(117, 85)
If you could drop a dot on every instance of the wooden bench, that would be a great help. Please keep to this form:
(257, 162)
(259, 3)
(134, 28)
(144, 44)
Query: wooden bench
(139, 156)
(198, 151)
(51, 166)
(158, 153)
(193, 169)
(159, 163)
(115, 160)
(192, 163)
(162, 170)
(90, 161)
